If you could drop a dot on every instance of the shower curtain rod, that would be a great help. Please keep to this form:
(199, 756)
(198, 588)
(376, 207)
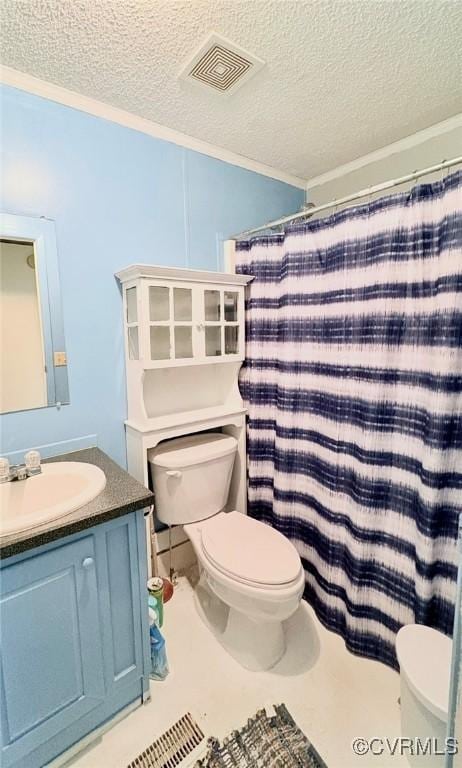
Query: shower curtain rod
(349, 198)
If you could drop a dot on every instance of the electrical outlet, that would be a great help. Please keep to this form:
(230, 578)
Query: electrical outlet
(60, 358)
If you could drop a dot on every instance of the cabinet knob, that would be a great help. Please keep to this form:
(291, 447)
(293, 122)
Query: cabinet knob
(200, 326)
(87, 562)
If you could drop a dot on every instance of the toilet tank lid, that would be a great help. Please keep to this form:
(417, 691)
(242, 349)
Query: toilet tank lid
(194, 449)
(424, 657)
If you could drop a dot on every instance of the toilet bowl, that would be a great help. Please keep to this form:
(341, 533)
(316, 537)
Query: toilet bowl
(257, 574)
(424, 657)
(252, 578)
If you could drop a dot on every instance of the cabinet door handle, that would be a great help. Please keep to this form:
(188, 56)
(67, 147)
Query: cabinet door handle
(87, 562)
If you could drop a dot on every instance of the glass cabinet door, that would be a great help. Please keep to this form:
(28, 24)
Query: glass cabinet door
(131, 304)
(185, 322)
(171, 322)
(221, 322)
(231, 313)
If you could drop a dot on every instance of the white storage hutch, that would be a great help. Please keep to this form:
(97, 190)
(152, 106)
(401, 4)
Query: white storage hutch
(184, 346)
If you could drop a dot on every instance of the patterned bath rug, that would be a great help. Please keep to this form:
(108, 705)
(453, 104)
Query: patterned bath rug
(265, 742)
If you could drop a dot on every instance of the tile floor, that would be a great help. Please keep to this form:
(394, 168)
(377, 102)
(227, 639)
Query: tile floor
(333, 695)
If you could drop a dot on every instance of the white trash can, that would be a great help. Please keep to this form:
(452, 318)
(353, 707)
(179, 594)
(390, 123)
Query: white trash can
(424, 657)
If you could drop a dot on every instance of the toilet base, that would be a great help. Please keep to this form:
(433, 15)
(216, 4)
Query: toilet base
(256, 645)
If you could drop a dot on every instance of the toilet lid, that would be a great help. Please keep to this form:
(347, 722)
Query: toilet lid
(424, 657)
(249, 550)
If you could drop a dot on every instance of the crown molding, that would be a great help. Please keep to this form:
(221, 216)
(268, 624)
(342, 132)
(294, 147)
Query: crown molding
(401, 145)
(46, 90)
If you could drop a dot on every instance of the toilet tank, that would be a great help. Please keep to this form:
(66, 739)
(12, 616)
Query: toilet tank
(191, 476)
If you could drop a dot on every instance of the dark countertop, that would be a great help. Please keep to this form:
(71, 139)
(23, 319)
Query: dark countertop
(122, 494)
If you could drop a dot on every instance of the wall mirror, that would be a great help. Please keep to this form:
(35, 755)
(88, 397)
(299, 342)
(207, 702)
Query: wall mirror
(33, 361)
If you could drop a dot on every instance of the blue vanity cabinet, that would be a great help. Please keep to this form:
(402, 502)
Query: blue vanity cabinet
(74, 638)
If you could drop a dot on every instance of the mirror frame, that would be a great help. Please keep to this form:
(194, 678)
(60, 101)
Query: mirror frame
(41, 232)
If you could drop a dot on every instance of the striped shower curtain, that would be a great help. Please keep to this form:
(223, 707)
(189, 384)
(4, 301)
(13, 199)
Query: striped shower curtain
(353, 383)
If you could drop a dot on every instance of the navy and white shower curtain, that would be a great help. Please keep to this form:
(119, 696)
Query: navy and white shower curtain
(353, 383)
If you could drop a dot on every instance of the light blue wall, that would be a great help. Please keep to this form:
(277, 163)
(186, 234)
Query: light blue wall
(117, 197)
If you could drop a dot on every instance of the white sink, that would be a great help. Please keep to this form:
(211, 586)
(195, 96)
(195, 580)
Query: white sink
(61, 488)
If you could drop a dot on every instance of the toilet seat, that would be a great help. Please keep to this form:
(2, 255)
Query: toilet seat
(249, 551)
(424, 657)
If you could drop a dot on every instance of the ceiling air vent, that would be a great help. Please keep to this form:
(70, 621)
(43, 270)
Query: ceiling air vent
(221, 65)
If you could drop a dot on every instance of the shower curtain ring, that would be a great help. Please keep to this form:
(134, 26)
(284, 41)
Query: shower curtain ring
(442, 170)
(369, 196)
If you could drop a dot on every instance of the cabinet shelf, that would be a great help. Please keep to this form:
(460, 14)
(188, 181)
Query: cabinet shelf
(185, 417)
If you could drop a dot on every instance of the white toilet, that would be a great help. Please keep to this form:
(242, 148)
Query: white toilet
(252, 578)
(424, 657)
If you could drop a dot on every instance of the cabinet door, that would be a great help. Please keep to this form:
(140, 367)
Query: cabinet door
(170, 315)
(233, 319)
(52, 663)
(222, 323)
(123, 626)
(132, 320)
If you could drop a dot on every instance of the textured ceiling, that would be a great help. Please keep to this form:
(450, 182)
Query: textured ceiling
(342, 78)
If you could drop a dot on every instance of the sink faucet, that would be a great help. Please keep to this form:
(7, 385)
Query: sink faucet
(31, 467)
